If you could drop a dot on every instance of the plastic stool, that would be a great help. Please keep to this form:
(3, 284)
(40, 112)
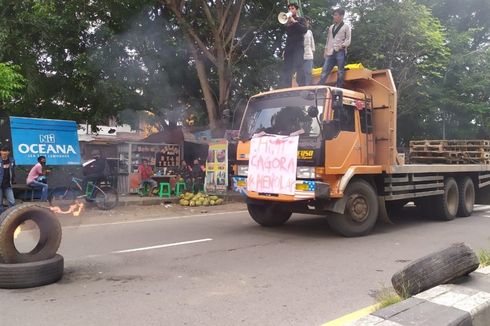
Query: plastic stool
(179, 188)
(198, 190)
(165, 192)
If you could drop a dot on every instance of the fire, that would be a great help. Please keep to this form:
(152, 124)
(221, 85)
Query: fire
(17, 232)
(75, 209)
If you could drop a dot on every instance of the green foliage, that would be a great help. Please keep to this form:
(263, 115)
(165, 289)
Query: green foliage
(11, 81)
(92, 60)
(484, 257)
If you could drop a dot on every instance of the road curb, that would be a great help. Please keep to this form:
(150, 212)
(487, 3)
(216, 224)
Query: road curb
(464, 303)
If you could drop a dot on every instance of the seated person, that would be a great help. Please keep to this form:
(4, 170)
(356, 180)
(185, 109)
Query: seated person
(36, 174)
(146, 172)
(185, 173)
(96, 169)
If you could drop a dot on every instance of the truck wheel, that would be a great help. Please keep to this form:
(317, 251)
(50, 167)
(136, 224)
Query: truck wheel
(361, 211)
(446, 205)
(466, 197)
(32, 274)
(268, 215)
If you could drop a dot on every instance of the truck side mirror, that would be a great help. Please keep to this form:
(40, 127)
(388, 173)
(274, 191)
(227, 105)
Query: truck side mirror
(337, 99)
(330, 129)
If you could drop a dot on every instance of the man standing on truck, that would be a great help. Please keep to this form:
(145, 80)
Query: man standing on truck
(37, 171)
(294, 51)
(338, 40)
(6, 177)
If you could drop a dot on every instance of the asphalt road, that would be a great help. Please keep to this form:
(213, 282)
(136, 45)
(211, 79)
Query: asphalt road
(222, 269)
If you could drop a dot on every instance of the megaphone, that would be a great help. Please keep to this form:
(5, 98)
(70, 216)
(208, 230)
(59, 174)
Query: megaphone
(283, 17)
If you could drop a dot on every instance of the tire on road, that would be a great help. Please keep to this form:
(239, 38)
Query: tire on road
(445, 206)
(435, 269)
(107, 199)
(28, 275)
(49, 234)
(361, 210)
(467, 196)
(268, 215)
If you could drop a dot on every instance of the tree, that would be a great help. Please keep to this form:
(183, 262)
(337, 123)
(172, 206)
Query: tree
(403, 36)
(11, 82)
(210, 30)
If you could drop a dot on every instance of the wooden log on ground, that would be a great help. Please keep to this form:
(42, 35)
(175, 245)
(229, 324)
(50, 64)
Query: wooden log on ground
(435, 269)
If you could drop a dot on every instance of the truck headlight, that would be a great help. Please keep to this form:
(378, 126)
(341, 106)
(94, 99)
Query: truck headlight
(305, 172)
(242, 170)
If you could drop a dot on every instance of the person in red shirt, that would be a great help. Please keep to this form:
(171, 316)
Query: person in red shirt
(145, 171)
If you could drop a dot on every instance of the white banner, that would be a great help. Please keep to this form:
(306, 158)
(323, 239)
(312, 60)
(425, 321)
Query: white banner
(272, 164)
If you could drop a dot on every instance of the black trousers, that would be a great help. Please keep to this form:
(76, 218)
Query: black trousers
(293, 63)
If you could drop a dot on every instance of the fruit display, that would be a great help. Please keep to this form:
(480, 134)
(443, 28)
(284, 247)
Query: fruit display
(199, 199)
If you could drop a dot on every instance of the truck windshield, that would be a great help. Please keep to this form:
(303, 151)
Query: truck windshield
(282, 114)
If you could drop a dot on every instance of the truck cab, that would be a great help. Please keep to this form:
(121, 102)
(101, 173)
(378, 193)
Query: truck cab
(346, 155)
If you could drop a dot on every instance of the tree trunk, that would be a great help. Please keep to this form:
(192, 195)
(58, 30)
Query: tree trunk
(211, 107)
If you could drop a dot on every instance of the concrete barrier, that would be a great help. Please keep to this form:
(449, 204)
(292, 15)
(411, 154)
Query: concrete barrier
(464, 303)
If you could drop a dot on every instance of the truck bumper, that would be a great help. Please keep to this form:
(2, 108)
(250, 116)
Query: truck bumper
(306, 190)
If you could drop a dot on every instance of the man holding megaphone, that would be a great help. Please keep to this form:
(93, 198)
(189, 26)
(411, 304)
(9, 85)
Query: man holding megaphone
(294, 50)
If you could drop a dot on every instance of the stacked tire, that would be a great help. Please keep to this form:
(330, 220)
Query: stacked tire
(40, 266)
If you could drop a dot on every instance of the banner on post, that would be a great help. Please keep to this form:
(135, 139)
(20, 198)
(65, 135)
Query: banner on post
(272, 164)
(217, 166)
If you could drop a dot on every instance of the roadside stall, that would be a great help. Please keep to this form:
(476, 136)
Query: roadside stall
(163, 158)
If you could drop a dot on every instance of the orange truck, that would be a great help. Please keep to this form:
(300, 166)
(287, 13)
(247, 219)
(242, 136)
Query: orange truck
(348, 168)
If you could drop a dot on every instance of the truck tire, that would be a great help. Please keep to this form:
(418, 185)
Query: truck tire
(49, 234)
(435, 269)
(28, 275)
(466, 190)
(268, 215)
(361, 210)
(446, 205)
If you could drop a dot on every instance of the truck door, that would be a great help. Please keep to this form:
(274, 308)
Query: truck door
(344, 150)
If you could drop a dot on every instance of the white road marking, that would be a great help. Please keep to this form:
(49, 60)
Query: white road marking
(140, 249)
(150, 220)
(161, 246)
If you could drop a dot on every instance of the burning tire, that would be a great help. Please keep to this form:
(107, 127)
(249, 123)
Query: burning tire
(28, 275)
(268, 215)
(49, 234)
(63, 197)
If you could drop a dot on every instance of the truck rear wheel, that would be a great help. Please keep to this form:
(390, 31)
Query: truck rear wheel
(361, 211)
(446, 205)
(466, 190)
(268, 215)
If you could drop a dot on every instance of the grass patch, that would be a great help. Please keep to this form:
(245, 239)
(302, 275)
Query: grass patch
(386, 297)
(484, 257)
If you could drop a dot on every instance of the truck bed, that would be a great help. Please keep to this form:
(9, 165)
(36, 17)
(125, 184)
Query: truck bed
(435, 168)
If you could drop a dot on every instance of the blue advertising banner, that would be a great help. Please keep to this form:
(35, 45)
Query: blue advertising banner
(55, 139)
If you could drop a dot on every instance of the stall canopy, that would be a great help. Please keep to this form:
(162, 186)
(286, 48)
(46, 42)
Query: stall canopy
(55, 139)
